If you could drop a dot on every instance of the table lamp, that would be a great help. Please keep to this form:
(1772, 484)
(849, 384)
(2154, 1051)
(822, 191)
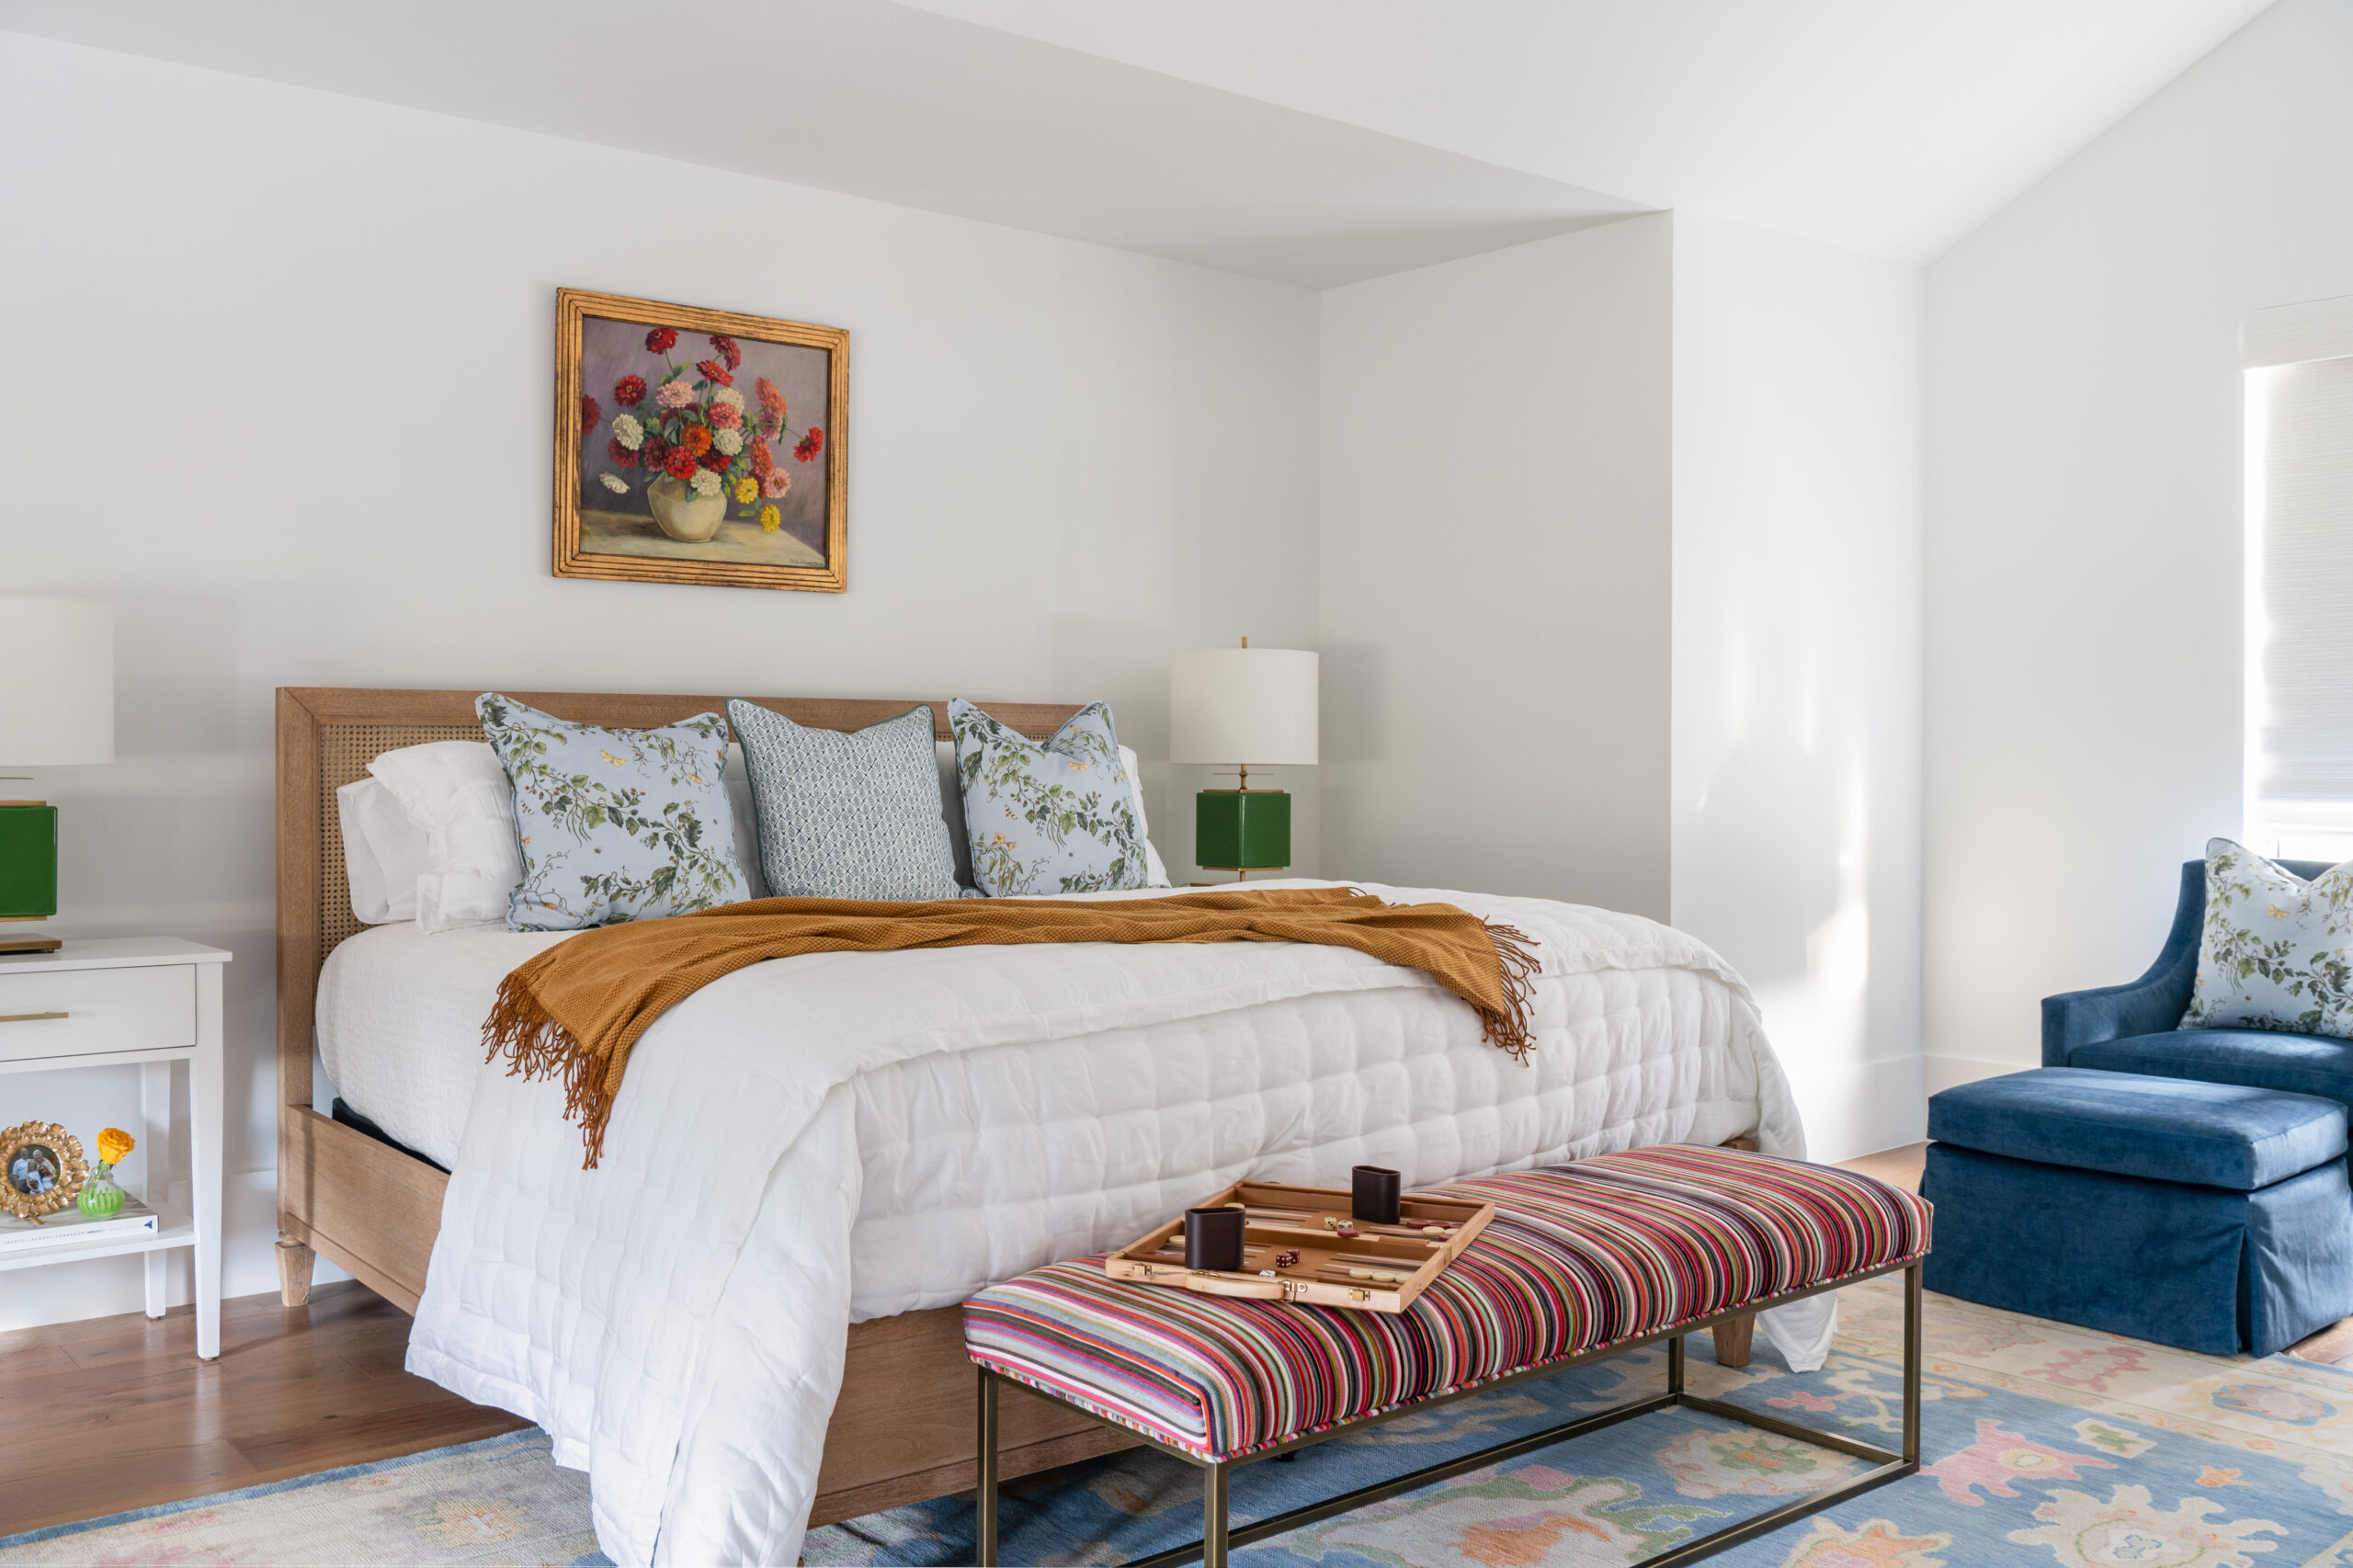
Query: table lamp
(1241, 706)
(56, 708)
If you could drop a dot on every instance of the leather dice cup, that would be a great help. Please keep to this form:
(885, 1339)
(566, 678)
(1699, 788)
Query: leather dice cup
(1374, 1194)
(1213, 1238)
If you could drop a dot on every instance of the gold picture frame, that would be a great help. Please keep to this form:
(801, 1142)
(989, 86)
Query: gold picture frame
(43, 1152)
(787, 438)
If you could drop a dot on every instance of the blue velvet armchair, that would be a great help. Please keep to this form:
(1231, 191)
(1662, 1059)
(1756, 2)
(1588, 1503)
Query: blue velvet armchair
(2135, 1027)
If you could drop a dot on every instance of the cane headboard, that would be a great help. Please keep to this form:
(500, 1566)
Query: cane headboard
(328, 735)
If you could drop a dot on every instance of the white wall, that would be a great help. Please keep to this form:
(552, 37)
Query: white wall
(277, 383)
(2084, 567)
(1621, 605)
(1796, 706)
(1494, 571)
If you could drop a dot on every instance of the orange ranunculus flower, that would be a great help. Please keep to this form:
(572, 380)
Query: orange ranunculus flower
(115, 1145)
(695, 438)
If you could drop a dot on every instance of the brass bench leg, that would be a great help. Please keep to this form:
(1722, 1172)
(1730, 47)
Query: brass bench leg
(984, 1489)
(1912, 1349)
(1733, 1336)
(1213, 1479)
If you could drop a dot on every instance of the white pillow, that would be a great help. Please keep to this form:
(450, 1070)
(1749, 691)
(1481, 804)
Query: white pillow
(747, 827)
(1156, 874)
(383, 852)
(951, 810)
(458, 794)
(952, 806)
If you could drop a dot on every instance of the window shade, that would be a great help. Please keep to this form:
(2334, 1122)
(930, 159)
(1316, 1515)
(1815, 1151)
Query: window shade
(2291, 335)
(2299, 773)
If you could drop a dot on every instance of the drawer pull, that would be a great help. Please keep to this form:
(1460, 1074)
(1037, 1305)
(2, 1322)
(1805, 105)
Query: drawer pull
(27, 1017)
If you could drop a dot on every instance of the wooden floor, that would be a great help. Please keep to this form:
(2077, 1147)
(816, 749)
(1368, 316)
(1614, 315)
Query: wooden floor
(117, 1413)
(1897, 1167)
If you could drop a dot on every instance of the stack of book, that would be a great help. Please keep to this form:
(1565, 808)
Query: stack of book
(72, 1225)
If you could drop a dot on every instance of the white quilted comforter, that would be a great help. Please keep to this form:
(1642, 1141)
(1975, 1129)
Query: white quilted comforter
(822, 1139)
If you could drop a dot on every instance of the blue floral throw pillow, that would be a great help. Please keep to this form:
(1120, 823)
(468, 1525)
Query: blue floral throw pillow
(2277, 952)
(614, 824)
(1047, 819)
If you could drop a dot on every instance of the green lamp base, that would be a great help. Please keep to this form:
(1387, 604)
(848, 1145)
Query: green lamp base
(1242, 830)
(28, 870)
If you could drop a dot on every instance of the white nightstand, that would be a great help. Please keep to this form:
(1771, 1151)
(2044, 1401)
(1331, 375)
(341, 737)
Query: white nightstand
(145, 1002)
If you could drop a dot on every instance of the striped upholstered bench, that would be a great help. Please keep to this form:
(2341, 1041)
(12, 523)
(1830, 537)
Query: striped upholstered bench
(1581, 1261)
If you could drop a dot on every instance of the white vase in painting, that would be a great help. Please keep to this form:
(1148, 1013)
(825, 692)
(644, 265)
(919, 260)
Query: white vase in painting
(683, 516)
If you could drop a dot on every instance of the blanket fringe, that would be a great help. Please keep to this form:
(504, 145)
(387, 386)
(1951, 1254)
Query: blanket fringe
(521, 1029)
(1508, 1027)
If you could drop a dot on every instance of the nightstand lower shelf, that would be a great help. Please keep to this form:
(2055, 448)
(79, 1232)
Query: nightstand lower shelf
(173, 1229)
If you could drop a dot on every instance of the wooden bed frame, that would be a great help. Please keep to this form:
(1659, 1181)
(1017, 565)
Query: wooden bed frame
(903, 1430)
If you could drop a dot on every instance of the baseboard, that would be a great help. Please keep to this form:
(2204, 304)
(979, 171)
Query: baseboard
(1941, 1073)
(1858, 1108)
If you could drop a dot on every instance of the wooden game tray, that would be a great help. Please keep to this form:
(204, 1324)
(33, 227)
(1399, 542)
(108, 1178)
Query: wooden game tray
(1282, 1216)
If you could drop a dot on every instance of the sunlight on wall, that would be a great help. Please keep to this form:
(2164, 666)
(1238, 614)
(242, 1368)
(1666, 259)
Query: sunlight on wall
(1822, 1019)
(1796, 703)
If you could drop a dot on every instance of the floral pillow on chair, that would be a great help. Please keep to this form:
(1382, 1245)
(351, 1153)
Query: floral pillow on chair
(2277, 952)
(614, 824)
(1055, 818)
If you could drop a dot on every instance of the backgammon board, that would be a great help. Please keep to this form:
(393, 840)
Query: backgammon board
(1294, 1249)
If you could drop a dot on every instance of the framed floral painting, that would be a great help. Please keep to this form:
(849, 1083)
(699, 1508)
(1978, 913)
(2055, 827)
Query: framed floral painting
(696, 445)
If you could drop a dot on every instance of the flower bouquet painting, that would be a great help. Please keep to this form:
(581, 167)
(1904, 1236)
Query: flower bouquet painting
(697, 446)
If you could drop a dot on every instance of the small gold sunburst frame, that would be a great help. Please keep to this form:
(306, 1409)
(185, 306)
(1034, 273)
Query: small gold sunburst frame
(41, 1169)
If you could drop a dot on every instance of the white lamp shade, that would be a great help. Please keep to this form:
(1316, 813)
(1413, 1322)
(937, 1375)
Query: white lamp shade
(56, 681)
(1255, 707)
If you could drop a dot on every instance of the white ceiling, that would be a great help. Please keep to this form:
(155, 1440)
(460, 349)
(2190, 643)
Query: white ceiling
(1892, 126)
(1313, 142)
(885, 101)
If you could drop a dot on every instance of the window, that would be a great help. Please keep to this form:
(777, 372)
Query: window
(2300, 581)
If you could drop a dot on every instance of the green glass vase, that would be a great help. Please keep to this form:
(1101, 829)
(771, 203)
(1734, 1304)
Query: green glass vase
(100, 1198)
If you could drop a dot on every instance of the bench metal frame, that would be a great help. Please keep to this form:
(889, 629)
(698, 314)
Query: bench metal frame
(1216, 1540)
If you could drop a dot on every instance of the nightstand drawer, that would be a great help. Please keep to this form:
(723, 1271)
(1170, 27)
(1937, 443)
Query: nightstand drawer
(104, 1009)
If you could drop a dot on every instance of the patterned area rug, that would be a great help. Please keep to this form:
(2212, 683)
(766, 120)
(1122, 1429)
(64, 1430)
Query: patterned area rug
(2046, 1445)
(498, 1501)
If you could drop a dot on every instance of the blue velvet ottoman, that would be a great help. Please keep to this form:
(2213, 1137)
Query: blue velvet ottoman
(2211, 1216)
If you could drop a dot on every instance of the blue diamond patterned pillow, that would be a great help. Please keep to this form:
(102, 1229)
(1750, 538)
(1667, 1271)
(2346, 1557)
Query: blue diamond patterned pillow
(1047, 819)
(848, 815)
(614, 824)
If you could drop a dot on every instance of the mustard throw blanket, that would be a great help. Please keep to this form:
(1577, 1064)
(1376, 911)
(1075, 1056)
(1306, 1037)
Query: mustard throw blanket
(576, 1009)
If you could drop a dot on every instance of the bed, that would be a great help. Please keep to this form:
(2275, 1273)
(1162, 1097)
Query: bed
(1673, 1053)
